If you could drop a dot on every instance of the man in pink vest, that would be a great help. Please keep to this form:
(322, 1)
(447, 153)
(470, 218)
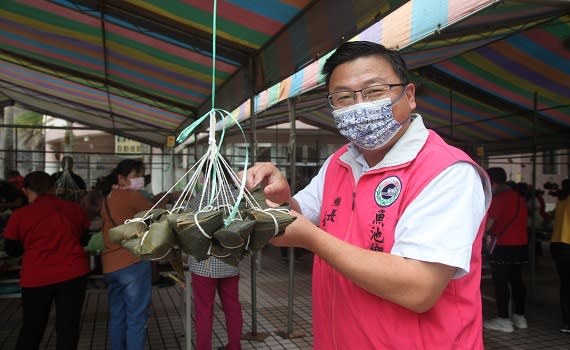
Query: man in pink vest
(394, 218)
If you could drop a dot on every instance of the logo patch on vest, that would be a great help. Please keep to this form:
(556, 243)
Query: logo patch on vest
(388, 191)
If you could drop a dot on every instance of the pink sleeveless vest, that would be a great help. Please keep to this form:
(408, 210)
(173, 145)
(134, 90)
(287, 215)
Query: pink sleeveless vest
(365, 214)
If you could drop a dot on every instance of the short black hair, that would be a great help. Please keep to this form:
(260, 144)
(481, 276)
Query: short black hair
(125, 166)
(352, 50)
(497, 175)
(39, 182)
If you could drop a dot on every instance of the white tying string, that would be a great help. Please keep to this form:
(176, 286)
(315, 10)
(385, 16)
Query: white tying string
(164, 256)
(247, 243)
(232, 247)
(217, 256)
(197, 222)
(220, 181)
(281, 210)
(142, 220)
(209, 249)
(139, 247)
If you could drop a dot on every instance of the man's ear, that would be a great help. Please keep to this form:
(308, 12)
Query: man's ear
(411, 95)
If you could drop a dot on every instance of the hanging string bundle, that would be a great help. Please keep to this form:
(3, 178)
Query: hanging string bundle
(65, 186)
(215, 215)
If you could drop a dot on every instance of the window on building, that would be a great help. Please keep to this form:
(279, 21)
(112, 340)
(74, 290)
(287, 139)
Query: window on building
(312, 154)
(239, 155)
(264, 154)
(299, 154)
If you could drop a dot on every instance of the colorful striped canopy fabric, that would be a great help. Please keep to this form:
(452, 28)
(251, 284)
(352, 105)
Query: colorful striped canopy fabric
(150, 62)
(143, 69)
(476, 79)
(514, 69)
(409, 23)
(488, 69)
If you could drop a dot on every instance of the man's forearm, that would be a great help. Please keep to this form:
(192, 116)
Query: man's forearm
(413, 284)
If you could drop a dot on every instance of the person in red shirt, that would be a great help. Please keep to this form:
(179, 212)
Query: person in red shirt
(507, 220)
(16, 179)
(50, 232)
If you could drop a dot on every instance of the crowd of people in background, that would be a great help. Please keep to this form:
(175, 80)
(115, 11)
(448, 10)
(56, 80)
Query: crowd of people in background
(506, 262)
(49, 233)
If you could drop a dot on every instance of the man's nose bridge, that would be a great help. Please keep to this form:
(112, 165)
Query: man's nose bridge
(359, 96)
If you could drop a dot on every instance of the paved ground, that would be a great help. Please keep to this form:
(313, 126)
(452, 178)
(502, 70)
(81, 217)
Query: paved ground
(166, 325)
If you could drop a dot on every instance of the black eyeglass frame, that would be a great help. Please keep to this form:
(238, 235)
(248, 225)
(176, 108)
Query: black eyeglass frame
(390, 86)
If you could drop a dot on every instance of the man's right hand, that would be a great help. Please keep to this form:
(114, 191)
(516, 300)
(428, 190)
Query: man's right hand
(267, 176)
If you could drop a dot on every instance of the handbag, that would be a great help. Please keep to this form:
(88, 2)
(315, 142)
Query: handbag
(490, 239)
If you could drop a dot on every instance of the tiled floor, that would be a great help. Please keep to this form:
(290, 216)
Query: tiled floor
(543, 313)
(166, 326)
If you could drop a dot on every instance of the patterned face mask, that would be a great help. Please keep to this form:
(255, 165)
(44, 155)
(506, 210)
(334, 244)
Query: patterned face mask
(136, 183)
(369, 125)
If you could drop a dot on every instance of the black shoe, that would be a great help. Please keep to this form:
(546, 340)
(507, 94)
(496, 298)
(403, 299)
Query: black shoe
(220, 348)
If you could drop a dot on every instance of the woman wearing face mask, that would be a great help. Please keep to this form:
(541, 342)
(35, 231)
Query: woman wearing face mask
(128, 277)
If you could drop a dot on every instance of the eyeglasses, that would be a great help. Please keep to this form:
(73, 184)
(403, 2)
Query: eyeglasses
(342, 99)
